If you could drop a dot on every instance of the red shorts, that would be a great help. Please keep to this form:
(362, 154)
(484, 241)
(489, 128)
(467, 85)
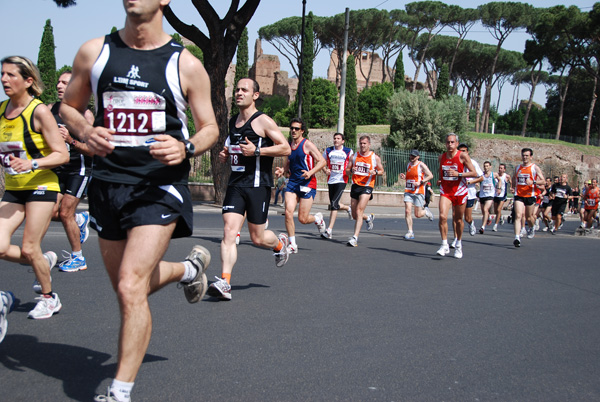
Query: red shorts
(456, 199)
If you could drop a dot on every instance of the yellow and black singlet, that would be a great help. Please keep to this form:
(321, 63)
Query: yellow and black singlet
(18, 137)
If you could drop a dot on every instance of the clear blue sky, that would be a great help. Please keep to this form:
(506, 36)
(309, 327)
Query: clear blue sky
(23, 22)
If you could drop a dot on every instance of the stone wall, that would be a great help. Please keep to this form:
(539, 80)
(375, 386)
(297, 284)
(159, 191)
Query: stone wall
(266, 70)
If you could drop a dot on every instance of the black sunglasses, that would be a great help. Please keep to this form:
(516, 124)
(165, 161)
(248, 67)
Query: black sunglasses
(295, 128)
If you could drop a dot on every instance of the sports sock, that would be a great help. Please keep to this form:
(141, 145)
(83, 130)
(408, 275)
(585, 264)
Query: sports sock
(121, 390)
(278, 247)
(459, 243)
(293, 240)
(227, 277)
(77, 254)
(190, 272)
(445, 242)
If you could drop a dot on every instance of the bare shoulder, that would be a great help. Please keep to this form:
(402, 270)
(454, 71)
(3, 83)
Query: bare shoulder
(190, 64)
(264, 123)
(90, 50)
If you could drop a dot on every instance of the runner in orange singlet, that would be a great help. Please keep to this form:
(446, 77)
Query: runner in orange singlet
(417, 174)
(527, 175)
(364, 166)
(453, 192)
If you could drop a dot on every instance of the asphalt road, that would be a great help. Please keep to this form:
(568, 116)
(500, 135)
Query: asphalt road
(386, 321)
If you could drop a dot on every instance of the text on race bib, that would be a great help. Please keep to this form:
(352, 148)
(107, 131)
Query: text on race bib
(136, 117)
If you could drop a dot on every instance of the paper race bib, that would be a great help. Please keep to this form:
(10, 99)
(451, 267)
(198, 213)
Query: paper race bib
(446, 172)
(136, 117)
(235, 154)
(14, 148)
(362, 169)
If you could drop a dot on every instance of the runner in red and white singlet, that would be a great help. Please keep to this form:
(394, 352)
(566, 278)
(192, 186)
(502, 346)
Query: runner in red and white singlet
(453, 191)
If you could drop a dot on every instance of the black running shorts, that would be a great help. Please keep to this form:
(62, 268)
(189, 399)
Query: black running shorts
(252, 201)
(356, 191)
(73, 184)
(116, 207)
(336, 191)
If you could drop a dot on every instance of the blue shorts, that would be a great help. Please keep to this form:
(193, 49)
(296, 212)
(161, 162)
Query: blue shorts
(300, 190)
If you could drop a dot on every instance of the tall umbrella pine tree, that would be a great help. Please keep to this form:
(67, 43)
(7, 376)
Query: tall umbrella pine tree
(47, 64)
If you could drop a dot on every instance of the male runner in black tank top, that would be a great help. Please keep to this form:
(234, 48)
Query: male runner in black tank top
(254, 140)
(73, 178)
(139, 198)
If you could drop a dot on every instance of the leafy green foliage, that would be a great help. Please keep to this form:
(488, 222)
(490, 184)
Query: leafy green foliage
(422, 123)
(273, 105)
(373, 104)
(47, 64)
(324, 103)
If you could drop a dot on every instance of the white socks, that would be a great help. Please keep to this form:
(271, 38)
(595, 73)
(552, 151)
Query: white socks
(121, 390)
(190, 272)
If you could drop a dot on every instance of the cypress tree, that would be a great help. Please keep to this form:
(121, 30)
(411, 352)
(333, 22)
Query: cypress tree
(351, 106)
(241, 67)
(443, 85)
(308, 59)
(47, 65)
(399, 74)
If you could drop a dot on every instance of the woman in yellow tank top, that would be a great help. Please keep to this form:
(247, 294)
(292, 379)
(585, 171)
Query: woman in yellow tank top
(30, 145)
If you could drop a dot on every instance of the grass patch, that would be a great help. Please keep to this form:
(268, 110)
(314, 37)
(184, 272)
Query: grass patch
(374, 129)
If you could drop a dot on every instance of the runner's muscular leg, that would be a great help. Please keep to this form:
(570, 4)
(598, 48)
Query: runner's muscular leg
(134, 278)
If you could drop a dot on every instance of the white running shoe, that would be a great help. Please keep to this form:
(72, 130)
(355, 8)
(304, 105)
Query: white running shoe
(195, 290)
(501, 220)
(453, 245)
(46, 307)
(109, 397)
(472, 228)
(409, 236)
(328, 234)
(517, 242)
(282, 256)
(52, 258)
(428, 214)
(458, 252)
(537, 224)
(352, 242)
(320, 223)
(443, 250)
(349, 211)
(531, 233)
(370, 220)
(292, 248)
(7, 300)
(523, 232)
(220, 289)
(495, 227)
(237, 238)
